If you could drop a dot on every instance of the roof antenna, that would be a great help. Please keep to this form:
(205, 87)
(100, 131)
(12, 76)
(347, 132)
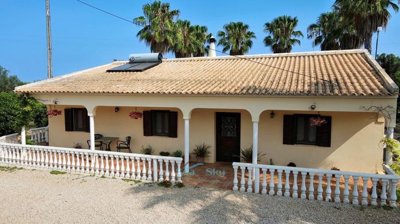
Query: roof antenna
(49, 48)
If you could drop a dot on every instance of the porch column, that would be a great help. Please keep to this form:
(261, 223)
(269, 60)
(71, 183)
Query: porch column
(255, 142)
(23, 135)
(91, 121)
(388, 154)
(187, 150)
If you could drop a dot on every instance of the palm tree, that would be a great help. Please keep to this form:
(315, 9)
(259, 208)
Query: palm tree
(282, 34)
(331, 33)
(236, 38)
(157, 22)
(366, 16)
(189, 40)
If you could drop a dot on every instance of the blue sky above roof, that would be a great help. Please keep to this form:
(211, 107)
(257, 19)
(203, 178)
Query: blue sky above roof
(84, 37)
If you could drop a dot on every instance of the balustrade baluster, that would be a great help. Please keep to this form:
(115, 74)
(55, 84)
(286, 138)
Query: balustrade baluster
(107, 172)
(138, 171)
(127, 167)
(311, 187)
(374, 194)
(144, 171)
(364, 194)
(64, 161)
(235, 179)
(287, 183)
(179, 176)
(155, 170)
(295, 185)
(249, 180)
(271, 182)
(123, 174)
(166, 170)
(279, 192)
(393, 195)
(328, 192)
(337, 188)
(320, 190)
(303, 185)
(355, 190)
(112, 173)
(264, 181)
(117, 169)
(172, 171)
(161, 173)
(384, 192)
(73, 167)
(242, 180)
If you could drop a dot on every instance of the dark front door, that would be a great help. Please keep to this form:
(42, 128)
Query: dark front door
(228, 137)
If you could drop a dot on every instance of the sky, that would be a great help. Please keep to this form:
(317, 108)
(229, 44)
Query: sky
(83, 37)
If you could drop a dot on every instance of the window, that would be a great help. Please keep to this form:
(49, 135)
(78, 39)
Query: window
(160, 123)
(76, 119)
(307, 130)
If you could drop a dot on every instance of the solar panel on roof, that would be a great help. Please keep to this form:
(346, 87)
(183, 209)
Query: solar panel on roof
(134, 67)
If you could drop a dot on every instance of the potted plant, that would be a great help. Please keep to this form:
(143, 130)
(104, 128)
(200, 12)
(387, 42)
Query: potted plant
(178, 153)
(147, 150)
(77, 146)
(246, 155)
(201, 151)
(392, 149)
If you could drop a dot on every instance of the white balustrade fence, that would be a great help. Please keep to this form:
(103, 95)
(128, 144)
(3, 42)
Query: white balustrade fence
(39, 135)
(12, 138)
(316, 184)
(112, 164)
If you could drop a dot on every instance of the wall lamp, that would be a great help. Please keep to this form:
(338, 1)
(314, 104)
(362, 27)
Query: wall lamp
(313, 106)
(272, 114)
(116, 109)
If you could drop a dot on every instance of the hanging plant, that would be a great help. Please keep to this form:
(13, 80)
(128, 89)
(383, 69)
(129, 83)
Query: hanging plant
(53, 113)
(135, 115)
(317, 121)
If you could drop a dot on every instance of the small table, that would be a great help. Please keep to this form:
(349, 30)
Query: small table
(108, 140)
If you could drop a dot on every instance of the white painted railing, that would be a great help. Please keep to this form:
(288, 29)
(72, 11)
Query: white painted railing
(112, 164)
(39, 135)
(328, 185)
(12, 138)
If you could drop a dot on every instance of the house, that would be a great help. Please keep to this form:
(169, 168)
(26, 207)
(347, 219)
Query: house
(315, 109)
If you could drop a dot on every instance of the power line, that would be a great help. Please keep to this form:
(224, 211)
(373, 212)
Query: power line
(248, 59)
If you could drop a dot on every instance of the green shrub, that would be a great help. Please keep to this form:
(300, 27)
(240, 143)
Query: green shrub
(201, 151)
(148, 150)
(164, 153)
(178, 153)
(246, 154)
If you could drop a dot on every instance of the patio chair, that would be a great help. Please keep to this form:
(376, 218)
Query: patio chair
(124, 144)
(97, 144)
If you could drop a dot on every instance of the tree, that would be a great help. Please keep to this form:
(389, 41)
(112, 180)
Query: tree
(236, 38)
(158, 23)
(366, 16)
(282, 34)
(391, 64)
(18, 110)
(8, 82)
(189, 40)
(331, 33)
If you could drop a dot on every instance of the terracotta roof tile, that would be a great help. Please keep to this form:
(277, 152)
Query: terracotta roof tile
(333, 73)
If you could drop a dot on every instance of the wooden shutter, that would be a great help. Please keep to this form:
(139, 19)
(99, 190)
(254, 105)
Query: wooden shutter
(289, 130)
(68, 119)
(86, 121)
(147, 126)
(173, 124)
(324, 133)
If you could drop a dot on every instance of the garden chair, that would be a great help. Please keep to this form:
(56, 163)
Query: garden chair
(97, 144)
(124, 144)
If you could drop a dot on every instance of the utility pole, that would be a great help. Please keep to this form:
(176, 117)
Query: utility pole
(377, 41)
(49, 48)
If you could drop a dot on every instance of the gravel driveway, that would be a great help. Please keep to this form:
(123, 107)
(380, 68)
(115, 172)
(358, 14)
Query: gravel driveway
(33, 196)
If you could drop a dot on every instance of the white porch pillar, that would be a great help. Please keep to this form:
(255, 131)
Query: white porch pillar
(23, 136)
(187, 149)
(388, 154)
(255, 142)
(91, 121)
